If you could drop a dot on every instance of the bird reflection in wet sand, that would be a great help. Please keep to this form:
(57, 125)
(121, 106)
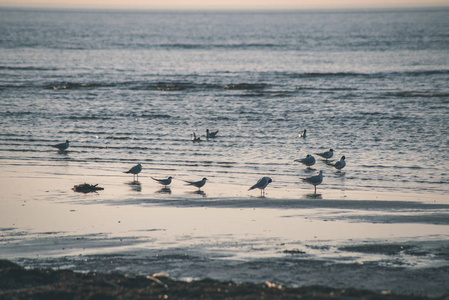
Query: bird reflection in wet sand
(164, 190)
(197, 192)
(135, 186)
(313, 196)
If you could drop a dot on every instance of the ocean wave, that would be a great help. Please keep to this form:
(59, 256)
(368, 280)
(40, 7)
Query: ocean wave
(78, 85)
(15, 113)
(208, 46)
(117, 138)
(362, 74)
(90, 117)
(27, 68)
(325, 89)
(392, 167)
(418, 95)
(245, 86)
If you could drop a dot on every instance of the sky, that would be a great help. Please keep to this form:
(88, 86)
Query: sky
(222, 4)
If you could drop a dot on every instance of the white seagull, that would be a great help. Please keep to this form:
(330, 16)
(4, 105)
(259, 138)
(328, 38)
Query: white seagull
(309, 160)
(135, 171)
(211, 134)
(261, 184)
(164, 182)
(327, 154)
(303, 134)
(341, 163)
(198, 184)
(62, 146)
(195, 138)
(314, 180)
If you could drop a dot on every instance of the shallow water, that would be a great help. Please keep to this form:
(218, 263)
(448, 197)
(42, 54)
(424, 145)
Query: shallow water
(128, 88)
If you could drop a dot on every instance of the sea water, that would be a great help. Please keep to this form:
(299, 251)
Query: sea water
(131, 87)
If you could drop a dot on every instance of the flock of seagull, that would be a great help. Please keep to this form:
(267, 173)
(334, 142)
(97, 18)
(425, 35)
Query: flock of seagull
(309, 161)
(261, 184)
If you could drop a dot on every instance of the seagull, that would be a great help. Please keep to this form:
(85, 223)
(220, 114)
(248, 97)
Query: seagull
(135, 171)
(314, 180)
(62, 146)
(261, 184)
(195, 138)
(309, 160)
(164, 182)
(198, 184)
(341, 163)
(211, 134)
(303, 134)
(327, 154)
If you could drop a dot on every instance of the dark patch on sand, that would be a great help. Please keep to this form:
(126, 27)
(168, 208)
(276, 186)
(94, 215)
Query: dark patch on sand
(387, 249)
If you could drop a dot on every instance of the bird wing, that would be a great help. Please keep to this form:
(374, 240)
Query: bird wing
(61, 146)
(261, 183)
(136, 169)
(192, 182)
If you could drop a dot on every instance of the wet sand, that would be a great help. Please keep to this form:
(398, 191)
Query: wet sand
(19, 283)
(349, 241)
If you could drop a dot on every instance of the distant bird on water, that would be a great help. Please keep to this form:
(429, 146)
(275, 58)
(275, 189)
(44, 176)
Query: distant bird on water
(198, 184)
(195, 138)
(62, 146)
(211, 134)
(341, 163)
(164, 182)
(303, 134)
(314, 180)
(261, 184)
(327, 154)
(135, 171)
(309, 160)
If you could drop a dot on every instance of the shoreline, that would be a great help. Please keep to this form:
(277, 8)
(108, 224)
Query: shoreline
(17, 282)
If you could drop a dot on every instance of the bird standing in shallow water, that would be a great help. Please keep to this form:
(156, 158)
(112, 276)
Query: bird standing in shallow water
(211, 134)
(327, 154)
(314, 180)
(303, 134)
(62, 146)
(135, 171)
(198, 184)
(164, 182)
(309, 160)
(261, 184)
(341, 163)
